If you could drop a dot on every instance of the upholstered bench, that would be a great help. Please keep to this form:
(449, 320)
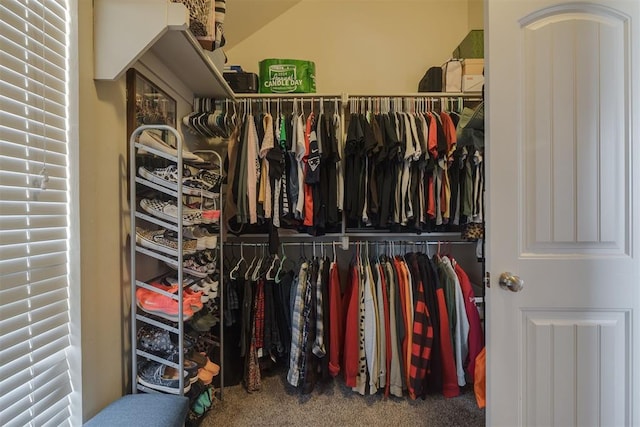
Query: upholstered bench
(143, 410)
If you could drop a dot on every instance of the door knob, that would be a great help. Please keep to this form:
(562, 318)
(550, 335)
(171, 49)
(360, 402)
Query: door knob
(511, 282)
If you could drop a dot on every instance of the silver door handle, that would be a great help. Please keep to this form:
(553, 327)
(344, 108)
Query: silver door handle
(511, 282)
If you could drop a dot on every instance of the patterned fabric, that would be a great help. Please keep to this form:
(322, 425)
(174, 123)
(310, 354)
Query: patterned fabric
(361, 379)
(306, 325)
(422, 343)
(297, 323)
(259, 316)
(318, 346)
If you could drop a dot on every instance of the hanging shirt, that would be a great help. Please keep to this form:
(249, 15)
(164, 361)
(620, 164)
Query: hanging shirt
(476, 336)
(351, 304)
(301, 152)
(298, 289)
(461, 332)
(336, 324)
(253, 170)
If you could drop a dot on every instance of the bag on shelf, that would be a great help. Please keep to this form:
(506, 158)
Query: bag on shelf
(452, 71)
(287, 76)
(431, 81)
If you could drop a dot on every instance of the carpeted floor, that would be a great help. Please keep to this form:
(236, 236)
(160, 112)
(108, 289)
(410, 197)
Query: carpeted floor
(278, 404)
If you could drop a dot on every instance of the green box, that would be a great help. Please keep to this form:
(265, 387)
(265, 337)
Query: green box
(287, 76)
(472, 46)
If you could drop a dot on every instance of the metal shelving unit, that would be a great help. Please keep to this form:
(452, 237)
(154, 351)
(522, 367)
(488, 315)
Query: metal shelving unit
(137, 217)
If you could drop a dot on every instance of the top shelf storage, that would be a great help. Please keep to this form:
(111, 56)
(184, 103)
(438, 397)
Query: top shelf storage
(124, 30)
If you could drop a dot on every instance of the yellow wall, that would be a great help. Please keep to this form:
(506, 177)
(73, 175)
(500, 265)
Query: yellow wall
(476, 14)
(360, 46)
(102, 211)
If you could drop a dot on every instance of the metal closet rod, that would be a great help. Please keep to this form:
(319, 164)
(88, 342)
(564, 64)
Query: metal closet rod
(353, 243)
(345, 96)
(288, 96)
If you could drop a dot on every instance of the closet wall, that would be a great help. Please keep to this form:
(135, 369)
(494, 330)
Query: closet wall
(359, 46)
(397, 41)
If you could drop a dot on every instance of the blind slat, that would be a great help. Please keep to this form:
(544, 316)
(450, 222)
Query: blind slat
(18, 74)
(21, 359)
(35, 148)
(43, 261)
(28, 194)
(10, 165)
(13, 402)
(43, 229)
(33, 125)
(9, 209)
(49, 112)
(35, 251)
(21, 293)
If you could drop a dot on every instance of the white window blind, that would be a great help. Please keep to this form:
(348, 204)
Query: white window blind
(35, 378)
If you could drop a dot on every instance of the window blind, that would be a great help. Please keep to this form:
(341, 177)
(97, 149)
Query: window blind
(35, 376)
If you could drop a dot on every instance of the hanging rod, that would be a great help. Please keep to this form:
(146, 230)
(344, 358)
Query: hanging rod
(346, 96)
(297, 239)
(417, 95)
(287, 95)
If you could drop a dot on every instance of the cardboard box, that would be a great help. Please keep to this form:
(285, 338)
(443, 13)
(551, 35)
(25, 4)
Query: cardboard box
(472, 83)
(473, 66)
(472, 46)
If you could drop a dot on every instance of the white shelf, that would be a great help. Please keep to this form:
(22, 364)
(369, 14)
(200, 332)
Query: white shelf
(125, 30)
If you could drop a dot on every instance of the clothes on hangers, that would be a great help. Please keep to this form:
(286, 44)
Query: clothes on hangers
(414, 321)
(296, 168)
(407, 171)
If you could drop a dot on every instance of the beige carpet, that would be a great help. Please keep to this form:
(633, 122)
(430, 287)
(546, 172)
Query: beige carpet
(278, 404)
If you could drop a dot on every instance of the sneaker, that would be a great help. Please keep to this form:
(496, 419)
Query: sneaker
(168, 211)
(206, 239)
(196, 233)
(152, 140)
(188, 296)
(186, 280)
(163, 241)
(189, 365)
(190, 266)
(203, 187)
(212, 179)
(163, 306)
(156, 341)
(168, 177)
(160, 377)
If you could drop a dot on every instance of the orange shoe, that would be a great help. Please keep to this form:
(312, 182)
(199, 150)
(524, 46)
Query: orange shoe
(163, 306)
(188, 295)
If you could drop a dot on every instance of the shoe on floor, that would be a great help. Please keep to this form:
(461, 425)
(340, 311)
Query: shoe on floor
(158, 376)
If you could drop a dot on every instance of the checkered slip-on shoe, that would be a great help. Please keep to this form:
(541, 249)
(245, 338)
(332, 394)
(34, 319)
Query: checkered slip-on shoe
(168, 177)
(161, 241)
(168, 211)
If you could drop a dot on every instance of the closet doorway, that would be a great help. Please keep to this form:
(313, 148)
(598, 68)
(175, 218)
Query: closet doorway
(563, 130)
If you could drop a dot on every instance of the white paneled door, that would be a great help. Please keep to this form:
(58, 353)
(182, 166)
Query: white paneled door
(563, 149)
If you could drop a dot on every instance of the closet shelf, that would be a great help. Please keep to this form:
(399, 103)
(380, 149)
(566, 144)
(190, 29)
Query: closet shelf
(156, 187)
(153, 322)
(154, 220)
(124, 30)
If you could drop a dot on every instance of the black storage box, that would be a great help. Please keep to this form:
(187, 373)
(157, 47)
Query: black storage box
(242, 82)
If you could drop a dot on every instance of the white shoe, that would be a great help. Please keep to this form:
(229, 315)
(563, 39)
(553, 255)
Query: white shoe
(152, 140)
